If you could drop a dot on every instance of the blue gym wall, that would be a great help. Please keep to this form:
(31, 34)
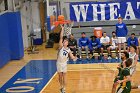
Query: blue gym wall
(11, 43)
(4, 41)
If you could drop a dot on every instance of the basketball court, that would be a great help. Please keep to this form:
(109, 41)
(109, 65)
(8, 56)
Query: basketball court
(40, 76)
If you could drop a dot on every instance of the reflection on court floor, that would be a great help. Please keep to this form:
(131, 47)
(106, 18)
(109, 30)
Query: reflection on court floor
(31, 78)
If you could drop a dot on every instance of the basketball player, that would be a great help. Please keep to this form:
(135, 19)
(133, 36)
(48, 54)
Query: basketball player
(134, 56)
(62, 58)
(124, 57)
(125, 78)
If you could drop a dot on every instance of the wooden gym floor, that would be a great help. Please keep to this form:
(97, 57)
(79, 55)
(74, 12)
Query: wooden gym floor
(81, 78)
(89, 78)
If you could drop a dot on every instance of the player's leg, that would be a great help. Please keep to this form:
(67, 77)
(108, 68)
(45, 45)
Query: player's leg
(60, 75)
(114, 87)
(64, 82)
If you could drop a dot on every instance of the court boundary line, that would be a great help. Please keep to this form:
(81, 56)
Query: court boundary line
(48, 82)
(87, 69)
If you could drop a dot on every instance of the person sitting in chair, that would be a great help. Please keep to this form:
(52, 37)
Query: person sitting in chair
(94, 44)
(72, 44)
(132, 41)
(114, 41)
(105, 43)
(83, 44)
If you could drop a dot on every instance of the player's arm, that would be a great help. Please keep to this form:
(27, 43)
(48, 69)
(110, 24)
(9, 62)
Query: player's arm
(127, 75)
(61, 37)
(128, 78)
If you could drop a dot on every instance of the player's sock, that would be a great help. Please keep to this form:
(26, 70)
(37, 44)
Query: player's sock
(63, 90)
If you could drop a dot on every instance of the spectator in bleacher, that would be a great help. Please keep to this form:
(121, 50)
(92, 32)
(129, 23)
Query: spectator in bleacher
(132, 41)
(83, 44)
(114, 41)
(94, 44)
(72, 44)
(121, 33)
(105, 44)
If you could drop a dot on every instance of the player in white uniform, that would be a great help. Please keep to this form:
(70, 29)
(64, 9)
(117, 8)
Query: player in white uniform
(134, 56)
(62, 58)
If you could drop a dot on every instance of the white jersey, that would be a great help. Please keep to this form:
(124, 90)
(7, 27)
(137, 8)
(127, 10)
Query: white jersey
(132, 56)
(132, 69)
(114, 41)
(63, 55)
(105, 39)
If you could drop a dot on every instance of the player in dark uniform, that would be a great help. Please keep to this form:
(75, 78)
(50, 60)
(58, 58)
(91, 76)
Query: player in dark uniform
(124, 57)
(125, 78)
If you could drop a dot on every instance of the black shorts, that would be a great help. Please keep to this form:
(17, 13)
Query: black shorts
(105, 46)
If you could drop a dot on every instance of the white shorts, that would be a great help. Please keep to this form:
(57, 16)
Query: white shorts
(121, 39)
(61, 67)
(132, 70)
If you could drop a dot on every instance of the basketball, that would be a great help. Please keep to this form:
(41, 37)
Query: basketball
(61, 18)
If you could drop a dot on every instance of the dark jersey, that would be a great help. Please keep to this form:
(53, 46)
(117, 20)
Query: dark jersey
(125, 72)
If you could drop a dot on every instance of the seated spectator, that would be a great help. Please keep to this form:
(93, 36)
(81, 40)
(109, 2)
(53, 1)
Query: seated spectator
(114, 42)
(72, 44)
(132, 41)
(105, 44)
(94, 44)
(83, 44)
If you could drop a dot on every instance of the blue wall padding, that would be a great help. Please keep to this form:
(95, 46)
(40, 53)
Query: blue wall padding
(11, 43)
(4, 41)
(15, 35)
(48, 24)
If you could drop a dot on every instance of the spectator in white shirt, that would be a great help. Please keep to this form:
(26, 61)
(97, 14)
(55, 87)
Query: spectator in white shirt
(105, 43)
(114, 41)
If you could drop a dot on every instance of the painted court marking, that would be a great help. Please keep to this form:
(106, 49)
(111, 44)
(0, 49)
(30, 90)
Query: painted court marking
(48, 82)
